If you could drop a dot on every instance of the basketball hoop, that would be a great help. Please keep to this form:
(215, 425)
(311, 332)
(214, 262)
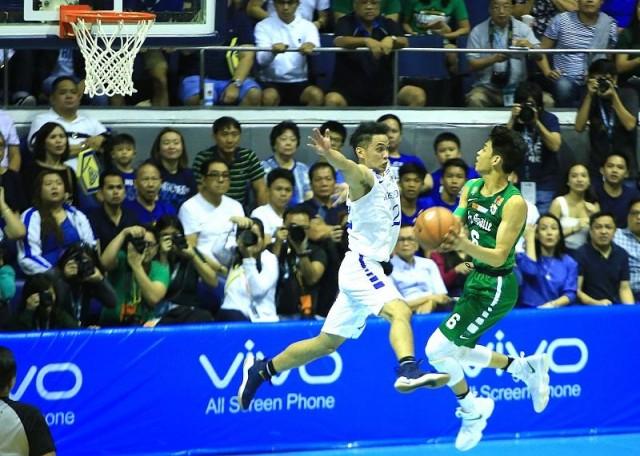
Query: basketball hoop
(109, 42)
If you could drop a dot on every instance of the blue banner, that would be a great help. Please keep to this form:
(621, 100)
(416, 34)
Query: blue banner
(170, 390)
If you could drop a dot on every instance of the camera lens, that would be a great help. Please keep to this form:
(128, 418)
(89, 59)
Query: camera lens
(248, 238)
(297, 233)
(603, 84)
(527, 114)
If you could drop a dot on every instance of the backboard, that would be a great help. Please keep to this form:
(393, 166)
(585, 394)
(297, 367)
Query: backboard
(38, 19)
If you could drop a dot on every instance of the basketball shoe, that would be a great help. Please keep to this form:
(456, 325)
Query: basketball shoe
(410, 378)
(473, 422)
(534, 372)
(254, 374)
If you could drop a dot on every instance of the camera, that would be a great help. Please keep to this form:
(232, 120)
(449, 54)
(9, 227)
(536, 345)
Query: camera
(85, 265)
(603, 84)
(297, 233)
(527, 112)
(247, 238)
(179, 241)
(46, 299)
(138, 243)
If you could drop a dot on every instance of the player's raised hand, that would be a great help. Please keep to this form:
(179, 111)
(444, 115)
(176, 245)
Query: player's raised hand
(319, 142)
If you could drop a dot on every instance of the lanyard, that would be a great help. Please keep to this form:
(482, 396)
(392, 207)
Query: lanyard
(608, 120)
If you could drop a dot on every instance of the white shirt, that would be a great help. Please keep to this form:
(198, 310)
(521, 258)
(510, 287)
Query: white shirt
(418, 279)
(306, 8)
(269, 217)
(374, 219)
(532, 217)
(11, 138)
(251, 292)
(287, 66)
(77, 130)
(216, 233)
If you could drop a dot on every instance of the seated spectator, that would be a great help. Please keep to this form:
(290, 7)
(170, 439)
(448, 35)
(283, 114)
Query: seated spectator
(243, 164)
(284, 76)
(7, 286)
(394, 132)
(316, 11)
(11, 157)
(497, 75)
(612, 119)
(446, 146)
(52, 225)
(425, 17)
(410, 184)
(285, 140)
(111, 217)
(79, 282)
(302, 264)
(454, 268)
(50, 151)
(120, 153)
(603, 277)
(390, 9)
(614, 197)
(147, 206)
(338, 135)
(140, 281)
(629, 239)
(230, 77)
(586, 28)
(327, 217)
(575, 205)
(210, 218)
(454, 175)
(12, 201)
(169, 152)
(418, 279)
(280, 183)
(250, 291)
(540, 130)
(549, 276)
(189, 269)
(39, 309)
(363, 79)
(542, 11)
(85, 134)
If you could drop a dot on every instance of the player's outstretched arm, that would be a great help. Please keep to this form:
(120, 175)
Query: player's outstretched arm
(358, 177)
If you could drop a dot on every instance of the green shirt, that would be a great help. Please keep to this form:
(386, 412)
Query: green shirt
(386, 6)
(625, 41)
(420, 13)
(484, 215)
(130, 305)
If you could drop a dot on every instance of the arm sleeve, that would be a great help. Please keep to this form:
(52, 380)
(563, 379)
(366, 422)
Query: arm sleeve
(7, 282)
(260, 283)
(263, 39)
(553, 28)
(460, 12)
(613, 34)
(570, 288)
(474, 42)
(189, 222)
(527, 266)
(84, 228)
(30, 256)
(624, 273)
(255, 167)
(38, 434)
(12, 138)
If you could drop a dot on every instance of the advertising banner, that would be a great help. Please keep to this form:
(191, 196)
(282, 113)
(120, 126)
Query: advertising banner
(169, 390)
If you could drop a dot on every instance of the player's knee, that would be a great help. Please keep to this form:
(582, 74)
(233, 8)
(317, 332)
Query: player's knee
(439, 347)
(396, 310)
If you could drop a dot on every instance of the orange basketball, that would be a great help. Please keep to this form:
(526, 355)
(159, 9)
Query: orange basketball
(432, 225)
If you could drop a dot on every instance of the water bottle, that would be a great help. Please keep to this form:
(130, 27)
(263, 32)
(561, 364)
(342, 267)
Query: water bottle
(209, 93)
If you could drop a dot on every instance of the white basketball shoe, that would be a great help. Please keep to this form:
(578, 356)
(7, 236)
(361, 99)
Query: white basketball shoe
(473, 423)
(534, 372)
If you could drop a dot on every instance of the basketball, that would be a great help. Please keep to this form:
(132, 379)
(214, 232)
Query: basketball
(432, 225)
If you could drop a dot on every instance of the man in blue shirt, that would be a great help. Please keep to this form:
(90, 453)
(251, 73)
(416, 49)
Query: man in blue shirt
(454, 175)
(612, 194)
(147, 207)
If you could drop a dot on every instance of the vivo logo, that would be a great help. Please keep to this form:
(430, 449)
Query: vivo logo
(548, 347)
(223, 379)
(39, 375)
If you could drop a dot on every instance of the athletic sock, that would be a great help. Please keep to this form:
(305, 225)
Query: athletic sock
(271, 371)
(463, 395)
(407, 360)
(467, 401)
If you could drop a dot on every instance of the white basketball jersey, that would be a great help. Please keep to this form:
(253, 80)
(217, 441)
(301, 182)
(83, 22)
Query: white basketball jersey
(374, 219)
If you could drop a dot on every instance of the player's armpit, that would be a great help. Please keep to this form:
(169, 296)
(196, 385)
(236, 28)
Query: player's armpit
(360, 180)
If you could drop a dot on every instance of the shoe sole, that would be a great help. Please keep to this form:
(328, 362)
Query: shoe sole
(545, 370)
(249, 360)
(432, 381)
(486, 419)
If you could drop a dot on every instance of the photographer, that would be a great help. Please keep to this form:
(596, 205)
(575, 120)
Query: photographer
(249, 293)
(79, 279)
(302, 265)
(39, 309)
(139, 280)
(612, 118)
(189, 270)
(541, 133)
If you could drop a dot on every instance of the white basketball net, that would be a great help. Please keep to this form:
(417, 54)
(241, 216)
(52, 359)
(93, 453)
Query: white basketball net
(109, 54)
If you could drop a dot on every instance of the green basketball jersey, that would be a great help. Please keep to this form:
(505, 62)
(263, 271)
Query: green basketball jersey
(484, 215)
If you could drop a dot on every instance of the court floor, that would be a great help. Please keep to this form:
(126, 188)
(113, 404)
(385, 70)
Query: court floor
(597, 445)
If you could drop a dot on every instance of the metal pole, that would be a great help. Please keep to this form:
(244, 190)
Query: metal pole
(202, 77)
(396, 77)
(5, 78)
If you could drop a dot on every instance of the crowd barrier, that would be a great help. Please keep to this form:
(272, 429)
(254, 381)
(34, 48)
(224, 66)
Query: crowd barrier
(172, 390)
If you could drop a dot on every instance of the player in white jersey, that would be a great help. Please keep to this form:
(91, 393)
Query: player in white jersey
(373, 227)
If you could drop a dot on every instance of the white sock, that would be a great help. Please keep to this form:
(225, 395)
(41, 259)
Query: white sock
(468, 403)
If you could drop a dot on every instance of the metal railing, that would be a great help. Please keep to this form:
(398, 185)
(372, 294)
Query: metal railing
(6, 65)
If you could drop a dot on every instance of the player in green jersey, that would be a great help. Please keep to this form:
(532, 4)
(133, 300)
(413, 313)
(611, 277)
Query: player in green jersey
(494, 213)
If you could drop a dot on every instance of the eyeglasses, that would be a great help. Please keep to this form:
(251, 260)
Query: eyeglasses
(216, 175)
(406, 239)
